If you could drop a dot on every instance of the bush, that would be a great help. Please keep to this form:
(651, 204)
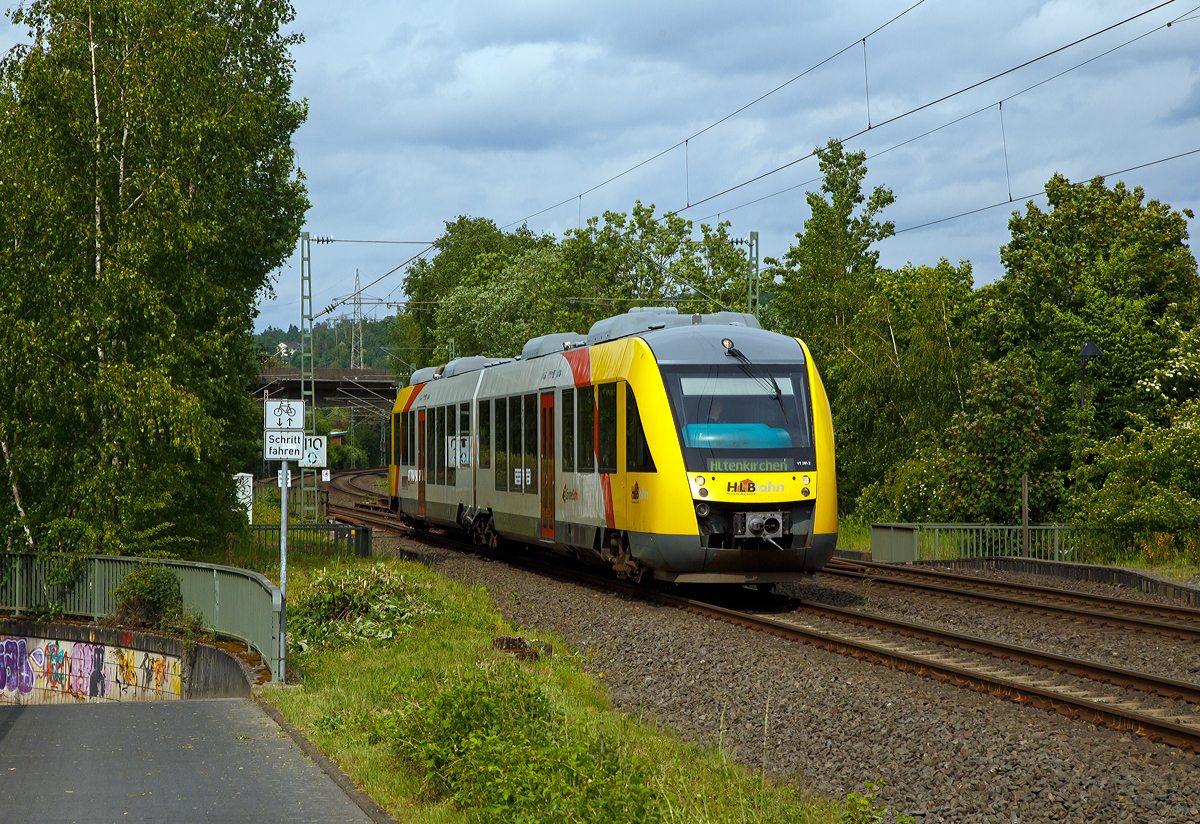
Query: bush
(492, 744)
(355, 605)
(148, 596)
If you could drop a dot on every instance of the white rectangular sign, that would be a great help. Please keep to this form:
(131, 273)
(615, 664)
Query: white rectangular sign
(283, 446)
(282, 414)
(325, 475)
(314, 451)
(282, 481)
(245, 493)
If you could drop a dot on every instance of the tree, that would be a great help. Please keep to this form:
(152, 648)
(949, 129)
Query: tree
(829, 273)
(1103, 265)
(907, 369)
(973, 473)
(149, 189)
(1145, 479)
(470, 250)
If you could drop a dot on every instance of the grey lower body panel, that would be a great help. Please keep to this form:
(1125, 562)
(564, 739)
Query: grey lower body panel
(682, 558)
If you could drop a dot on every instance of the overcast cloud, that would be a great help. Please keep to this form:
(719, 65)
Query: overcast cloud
(423, 111)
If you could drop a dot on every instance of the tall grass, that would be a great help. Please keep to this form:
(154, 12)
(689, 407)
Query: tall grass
(440, 727)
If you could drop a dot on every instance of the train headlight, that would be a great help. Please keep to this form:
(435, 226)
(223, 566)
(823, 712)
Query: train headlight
(703, 492)
(805, 492)
(702, 510)
(700, 480)
(806, 480)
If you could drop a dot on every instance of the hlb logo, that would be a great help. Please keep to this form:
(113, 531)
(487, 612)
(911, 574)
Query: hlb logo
(639, 494)
(740, 486)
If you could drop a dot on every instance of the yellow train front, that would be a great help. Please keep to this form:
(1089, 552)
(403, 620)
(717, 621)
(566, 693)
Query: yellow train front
(690, 448)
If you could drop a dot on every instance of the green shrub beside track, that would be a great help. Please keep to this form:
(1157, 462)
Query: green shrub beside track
(437, 725)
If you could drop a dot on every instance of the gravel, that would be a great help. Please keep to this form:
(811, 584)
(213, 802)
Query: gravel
(832, 722)
(1144, 651)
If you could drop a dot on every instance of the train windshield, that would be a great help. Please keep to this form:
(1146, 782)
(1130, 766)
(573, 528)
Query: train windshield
(742, 417)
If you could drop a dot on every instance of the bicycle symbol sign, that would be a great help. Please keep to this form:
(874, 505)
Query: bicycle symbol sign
(283, 414)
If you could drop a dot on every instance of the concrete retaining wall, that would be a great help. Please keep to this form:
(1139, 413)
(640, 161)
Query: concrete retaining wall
(69, 663)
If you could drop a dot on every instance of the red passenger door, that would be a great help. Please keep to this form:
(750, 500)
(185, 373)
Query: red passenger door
(421, 462)
(547, 465)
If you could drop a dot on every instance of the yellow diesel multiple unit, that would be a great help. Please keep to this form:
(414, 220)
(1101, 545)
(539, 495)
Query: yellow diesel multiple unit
(692, 448)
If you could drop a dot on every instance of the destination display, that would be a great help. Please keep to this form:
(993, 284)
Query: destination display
(747, 465)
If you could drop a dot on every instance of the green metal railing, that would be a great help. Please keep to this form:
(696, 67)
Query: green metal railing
(316, 540)
(907, 543)
(235, 602)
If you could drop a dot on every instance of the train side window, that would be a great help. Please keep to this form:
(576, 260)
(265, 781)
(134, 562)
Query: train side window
(398, 438)
(430, 445)
(439, 445)
(587, 429)
(637, 450)
(606, 412)
(501, 445)
(450, 439)
(464, 431)
(484, 459)
(410, 437)
(531, 443)
(568, 430)
(517, 482)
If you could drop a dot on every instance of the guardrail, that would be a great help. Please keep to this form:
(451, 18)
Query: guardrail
(235, 602)
(317, 540)
(907, 543)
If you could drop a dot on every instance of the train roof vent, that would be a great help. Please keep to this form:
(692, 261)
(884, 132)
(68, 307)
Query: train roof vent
(650, 318)
(422, 375)
(549, 344)
(460, 366)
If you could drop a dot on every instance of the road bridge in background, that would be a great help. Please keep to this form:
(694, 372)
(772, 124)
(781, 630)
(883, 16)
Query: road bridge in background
(357, 388)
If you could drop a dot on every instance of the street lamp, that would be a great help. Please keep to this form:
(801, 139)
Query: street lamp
(1088, 350)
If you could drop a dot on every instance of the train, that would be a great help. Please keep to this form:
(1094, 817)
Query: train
(692, 449)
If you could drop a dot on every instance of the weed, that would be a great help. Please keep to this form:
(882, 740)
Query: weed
(862, 808)
(864, 593)
(492, 742)
(355, 604)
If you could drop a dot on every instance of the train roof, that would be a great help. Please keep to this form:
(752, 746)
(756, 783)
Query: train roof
(674, 338)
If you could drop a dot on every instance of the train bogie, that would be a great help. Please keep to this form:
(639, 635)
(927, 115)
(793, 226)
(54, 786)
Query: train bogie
(693, 449)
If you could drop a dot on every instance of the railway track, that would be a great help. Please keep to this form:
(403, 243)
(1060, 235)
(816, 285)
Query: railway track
(1169, 620)
(1145, 704)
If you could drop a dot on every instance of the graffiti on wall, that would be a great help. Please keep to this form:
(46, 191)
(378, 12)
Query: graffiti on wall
(41, 671)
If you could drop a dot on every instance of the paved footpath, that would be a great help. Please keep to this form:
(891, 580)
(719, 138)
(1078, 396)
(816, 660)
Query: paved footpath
(170, 761)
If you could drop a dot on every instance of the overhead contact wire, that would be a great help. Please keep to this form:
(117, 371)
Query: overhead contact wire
(716, 123)
(980, 110)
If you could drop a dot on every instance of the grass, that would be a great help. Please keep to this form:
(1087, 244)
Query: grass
(853, 534)
(389, 713)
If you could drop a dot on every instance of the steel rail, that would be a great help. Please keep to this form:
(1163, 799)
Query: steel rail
(1124, 719)
(1115, 617)
(1171, 610)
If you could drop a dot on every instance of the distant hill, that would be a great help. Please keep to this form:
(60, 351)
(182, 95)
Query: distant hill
(331, 344)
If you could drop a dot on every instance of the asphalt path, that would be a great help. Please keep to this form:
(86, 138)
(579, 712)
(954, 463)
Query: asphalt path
(168, 761)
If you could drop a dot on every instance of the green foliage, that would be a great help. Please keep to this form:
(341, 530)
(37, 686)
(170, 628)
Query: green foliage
(148, 192)
(1144, 480)
(355, 604)
(331, 343)
(905, 369)
(829, 273)
(974, 475)
(1103, 265)
(492, 743)
(491, 291)
(863, 808)
(147, 597)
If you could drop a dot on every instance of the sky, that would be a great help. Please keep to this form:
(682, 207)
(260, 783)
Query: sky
(423, 111)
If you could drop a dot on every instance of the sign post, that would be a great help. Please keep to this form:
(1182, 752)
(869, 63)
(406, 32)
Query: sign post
(283, 440)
